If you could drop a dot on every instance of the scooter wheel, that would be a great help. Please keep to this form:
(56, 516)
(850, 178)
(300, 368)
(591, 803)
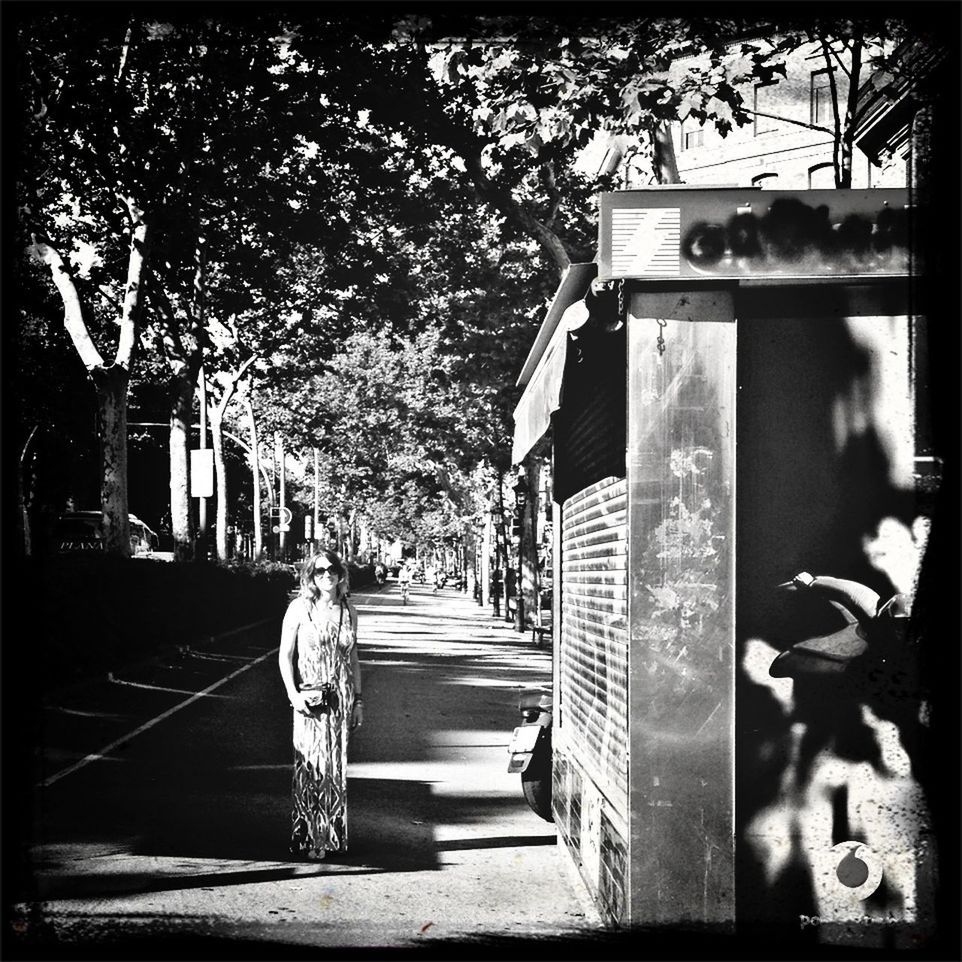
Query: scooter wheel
(536, 785)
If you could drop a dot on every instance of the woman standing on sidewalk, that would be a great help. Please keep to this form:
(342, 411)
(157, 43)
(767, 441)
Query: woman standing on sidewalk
(320, 670)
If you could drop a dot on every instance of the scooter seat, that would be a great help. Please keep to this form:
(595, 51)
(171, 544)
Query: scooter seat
(535, 698)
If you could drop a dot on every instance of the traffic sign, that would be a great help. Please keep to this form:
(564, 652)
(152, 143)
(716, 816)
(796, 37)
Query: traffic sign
(285, 515)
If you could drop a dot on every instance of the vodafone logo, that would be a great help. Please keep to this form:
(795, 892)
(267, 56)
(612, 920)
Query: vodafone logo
(858, 870)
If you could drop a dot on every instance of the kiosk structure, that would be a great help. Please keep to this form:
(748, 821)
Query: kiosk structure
(732, 395)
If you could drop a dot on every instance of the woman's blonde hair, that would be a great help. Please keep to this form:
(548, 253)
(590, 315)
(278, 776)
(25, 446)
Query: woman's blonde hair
(309, 589)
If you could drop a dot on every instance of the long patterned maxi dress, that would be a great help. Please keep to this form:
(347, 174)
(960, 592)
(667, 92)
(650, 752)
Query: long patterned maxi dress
(320, 742)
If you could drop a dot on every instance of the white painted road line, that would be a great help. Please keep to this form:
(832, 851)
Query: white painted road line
(86, 760)
(140, 684)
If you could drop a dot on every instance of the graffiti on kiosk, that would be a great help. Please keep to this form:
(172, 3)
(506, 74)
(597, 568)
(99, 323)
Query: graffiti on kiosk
(792, 237)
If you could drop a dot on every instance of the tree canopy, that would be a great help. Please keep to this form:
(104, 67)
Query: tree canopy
(384, 202)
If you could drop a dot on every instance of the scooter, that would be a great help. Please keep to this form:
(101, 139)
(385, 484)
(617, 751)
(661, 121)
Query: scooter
(873, 634)
(530, 750)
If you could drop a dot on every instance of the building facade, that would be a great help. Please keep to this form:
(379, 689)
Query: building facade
(782, 149)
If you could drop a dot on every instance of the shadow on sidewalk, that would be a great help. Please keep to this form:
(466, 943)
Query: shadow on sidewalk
(391, 824)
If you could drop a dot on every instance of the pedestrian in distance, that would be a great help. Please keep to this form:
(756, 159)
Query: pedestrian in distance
(404, 581)
(321, 674)
(496, 590)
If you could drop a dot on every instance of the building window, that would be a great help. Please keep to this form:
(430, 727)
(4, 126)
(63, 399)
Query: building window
(822, 99)
(692, 138)
(765, 181)
(765, 103)
(821, 177)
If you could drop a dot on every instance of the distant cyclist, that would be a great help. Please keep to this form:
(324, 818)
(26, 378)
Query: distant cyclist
(404, 580)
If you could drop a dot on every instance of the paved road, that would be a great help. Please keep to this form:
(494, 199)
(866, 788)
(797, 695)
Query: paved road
(182, 829)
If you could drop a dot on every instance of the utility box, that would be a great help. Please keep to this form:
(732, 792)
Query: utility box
(736, 401)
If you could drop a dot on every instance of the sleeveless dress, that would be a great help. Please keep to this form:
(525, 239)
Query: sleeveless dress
(322, 654)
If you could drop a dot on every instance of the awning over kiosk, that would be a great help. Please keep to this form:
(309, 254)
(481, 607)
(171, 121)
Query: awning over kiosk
(543, 370)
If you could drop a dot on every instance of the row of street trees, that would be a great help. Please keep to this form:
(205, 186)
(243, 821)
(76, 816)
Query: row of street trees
(349, 226)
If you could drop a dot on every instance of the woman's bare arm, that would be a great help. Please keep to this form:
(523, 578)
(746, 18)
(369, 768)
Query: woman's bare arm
(285, 656)
(357, 713)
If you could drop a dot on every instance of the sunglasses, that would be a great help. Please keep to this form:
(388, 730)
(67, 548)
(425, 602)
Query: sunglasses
(326, 569)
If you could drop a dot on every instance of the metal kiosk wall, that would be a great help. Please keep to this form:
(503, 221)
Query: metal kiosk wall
(777, 326)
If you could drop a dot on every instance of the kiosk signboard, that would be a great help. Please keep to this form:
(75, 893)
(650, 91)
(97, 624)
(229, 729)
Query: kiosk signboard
(741, 233)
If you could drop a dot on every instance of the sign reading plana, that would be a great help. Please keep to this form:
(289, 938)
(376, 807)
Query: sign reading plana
(660, 234)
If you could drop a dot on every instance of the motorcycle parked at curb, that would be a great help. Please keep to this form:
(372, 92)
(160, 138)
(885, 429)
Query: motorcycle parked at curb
(530, 750)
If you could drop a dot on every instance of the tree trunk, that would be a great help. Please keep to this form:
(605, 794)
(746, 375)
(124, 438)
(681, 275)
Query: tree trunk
(484, 597)
(110, 384)
(529, 547)
(281, 496)
(220, 473)
(110, 381)
(502, 543)
(255, 472)
(848, 129)
(316, 527)
(181, 522)
(663, 160)
(845, 163)
(26, 540)
(24, 509)
(351, 535)
(217, 415)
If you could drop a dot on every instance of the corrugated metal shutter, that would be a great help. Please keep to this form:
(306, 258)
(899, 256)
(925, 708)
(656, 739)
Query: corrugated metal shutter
(593, 650)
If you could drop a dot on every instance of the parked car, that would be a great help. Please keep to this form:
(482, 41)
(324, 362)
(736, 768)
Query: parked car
(83, 531)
